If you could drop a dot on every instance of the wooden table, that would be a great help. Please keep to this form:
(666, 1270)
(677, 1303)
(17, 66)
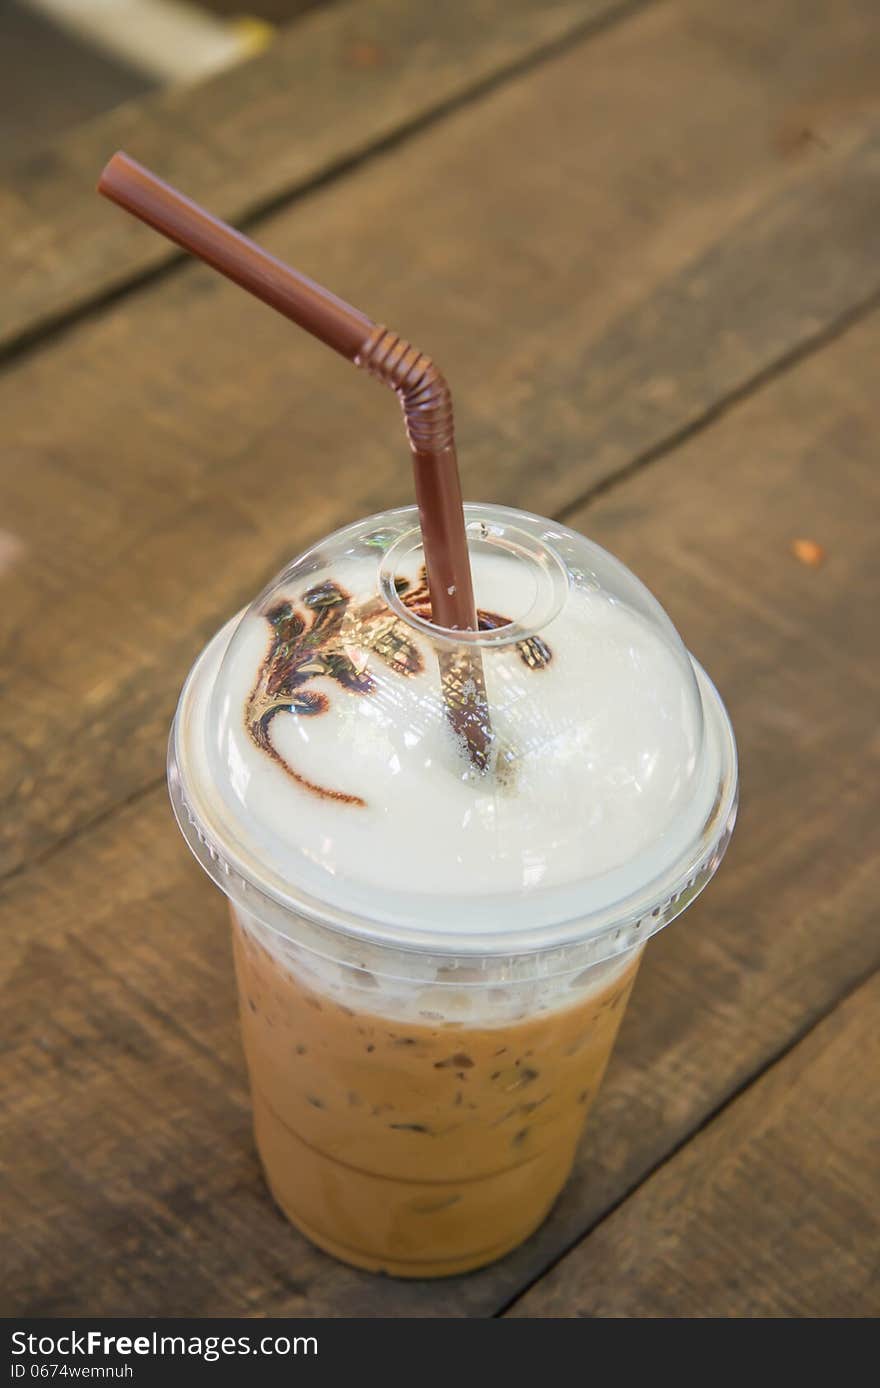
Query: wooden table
(642, 237)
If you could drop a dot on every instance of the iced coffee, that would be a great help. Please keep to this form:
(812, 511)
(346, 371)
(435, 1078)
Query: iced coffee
(417, 1142)
(434, 955)
(452, 769)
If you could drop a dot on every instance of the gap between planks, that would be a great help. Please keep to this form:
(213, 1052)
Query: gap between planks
(705, 419)
(753, 1078)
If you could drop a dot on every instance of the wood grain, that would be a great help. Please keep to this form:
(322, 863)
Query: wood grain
(770, 1212)
(338, 84)
(594, 298)
(133, 1184)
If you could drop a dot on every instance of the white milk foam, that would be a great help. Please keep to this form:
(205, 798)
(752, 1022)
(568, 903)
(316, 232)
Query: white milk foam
(605, 745)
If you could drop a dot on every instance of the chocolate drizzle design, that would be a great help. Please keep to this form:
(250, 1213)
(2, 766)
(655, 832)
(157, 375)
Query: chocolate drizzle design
(332, 639)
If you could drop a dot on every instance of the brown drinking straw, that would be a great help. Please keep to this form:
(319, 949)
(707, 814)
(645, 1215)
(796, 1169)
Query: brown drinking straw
(420, 387)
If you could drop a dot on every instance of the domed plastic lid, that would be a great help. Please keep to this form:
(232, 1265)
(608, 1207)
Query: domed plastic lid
(314, 765)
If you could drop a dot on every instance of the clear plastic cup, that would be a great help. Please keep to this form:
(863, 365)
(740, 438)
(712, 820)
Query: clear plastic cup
(434, 956)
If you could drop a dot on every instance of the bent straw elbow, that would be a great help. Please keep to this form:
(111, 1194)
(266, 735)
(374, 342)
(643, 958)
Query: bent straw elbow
(421, 388)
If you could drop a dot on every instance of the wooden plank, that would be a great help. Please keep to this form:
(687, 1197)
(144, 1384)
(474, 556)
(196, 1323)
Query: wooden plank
(49, 81)
(340, 83)
(771, 1211)
(133, 1180)
(172, 454)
